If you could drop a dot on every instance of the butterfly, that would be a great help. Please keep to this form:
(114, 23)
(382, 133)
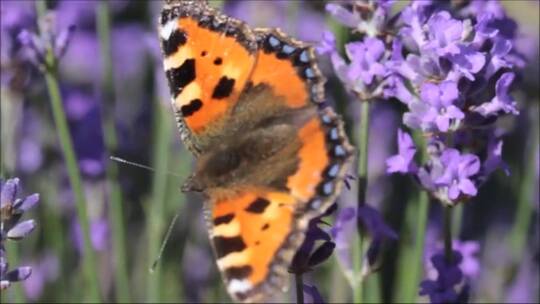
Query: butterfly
(270, 154)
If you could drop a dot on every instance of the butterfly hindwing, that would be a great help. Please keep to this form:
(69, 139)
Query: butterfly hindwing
(250, 232)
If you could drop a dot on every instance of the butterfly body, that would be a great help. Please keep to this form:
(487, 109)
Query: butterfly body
(270, 155)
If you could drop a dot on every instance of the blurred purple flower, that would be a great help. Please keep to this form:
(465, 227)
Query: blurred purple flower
(99, 234)
(196, 279)
(524, 288)
(403, 162)
(29, 146)
(11, 211)
(327, 45)
(277, 13)
(15, 68)
(312, 295)
(344, 16)
(441, 290)
(84, 116)
(363, 16)
(36, 46)
(469, 250)
(45, 270)
(346, 226)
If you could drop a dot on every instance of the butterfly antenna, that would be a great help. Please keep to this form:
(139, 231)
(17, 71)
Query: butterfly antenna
(127, 162)
(164, 243)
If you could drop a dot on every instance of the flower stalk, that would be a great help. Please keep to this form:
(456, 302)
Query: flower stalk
(66, 144)
(299, 282)
(156, 210)
(363, 136)
(116, 218)
(448, 234)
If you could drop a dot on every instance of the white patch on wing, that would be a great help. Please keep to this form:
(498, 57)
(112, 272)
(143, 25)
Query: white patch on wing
(190, 92)
(227, 230)
(167, 29)
(234, 259)
(239, 286)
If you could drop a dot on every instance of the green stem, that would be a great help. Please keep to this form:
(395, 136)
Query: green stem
(161, 155)
(299, 288)
(524, 212)
(363, 153)
(412, 256)
(419, 244)
(362, 187)
(116, 218)
(448, 234)
(66, 144)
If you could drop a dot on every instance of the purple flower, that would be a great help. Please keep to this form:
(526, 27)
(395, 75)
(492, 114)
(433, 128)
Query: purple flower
(327, 45)
(343, 15)
(309, 255)
(29, 146)
(15, 16)
(494, 159)
(308, 27)
(9, 276)
(436, 111)
(365, 59)
(469, 250)
(346, 225)
(11, 211)
(84, 117)
(444, 34)
(99, 234)
(502, 102)
(368, 17)
(312, 295)
(403, 161)
(45, 270)
(458, 172)
(36, 47)
(441, 290)
(366, 74)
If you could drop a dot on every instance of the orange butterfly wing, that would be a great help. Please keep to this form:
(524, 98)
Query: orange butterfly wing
(208, 58)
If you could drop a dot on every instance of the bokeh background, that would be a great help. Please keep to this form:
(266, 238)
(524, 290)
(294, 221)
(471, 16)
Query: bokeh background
(116, 101)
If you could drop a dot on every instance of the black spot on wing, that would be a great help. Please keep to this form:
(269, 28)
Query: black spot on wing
(226, 245)
(176, 40)
(218, 61)
(224, 219)
(258, 205)
(192, 107)
(224, 88)
(181, 76)
(265, 226)
(238, 272)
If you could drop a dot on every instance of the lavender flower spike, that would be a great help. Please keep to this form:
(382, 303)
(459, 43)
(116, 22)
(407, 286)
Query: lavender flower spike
(35, 46)
(11, 210)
